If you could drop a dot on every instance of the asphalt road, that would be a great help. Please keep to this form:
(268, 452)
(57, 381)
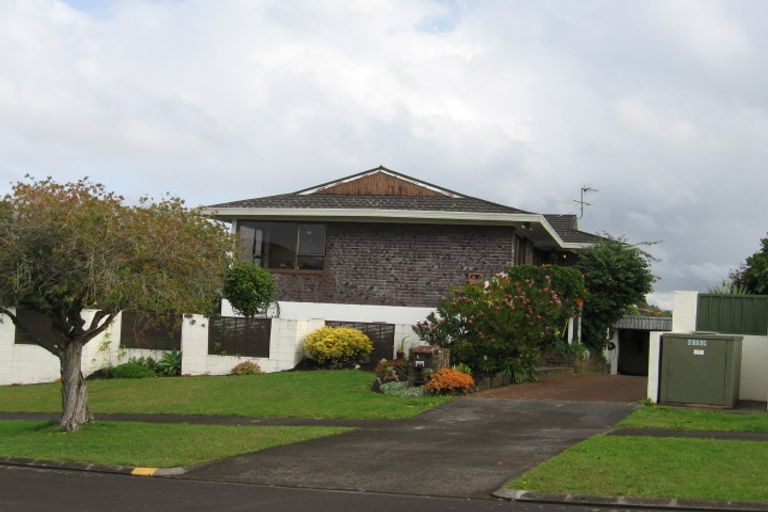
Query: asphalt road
(37, 490)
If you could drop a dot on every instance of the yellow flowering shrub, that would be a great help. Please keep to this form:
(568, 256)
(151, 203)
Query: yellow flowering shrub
(338, 347)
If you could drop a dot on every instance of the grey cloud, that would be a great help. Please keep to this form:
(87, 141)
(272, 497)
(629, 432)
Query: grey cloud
(660, 105)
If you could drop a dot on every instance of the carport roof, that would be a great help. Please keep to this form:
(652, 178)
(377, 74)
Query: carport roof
(645, 323)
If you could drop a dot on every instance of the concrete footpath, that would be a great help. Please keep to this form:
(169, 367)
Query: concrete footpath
(466, 448)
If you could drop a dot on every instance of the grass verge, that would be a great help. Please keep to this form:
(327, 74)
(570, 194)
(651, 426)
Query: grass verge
(146, 444)
(329, 394)
(655, 467)
(679, 418)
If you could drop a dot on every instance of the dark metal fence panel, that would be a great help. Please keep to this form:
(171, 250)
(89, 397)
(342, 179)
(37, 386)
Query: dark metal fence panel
(37, 324)
(733, 314)
(229, 335)
(154, 331)
(382, 335)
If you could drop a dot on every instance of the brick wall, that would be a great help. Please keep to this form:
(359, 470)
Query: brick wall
(399, 264)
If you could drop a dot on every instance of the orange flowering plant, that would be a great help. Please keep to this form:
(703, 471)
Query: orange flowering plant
(449, 382)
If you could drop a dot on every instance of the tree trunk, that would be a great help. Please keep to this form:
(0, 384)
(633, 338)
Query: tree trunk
(74, 394)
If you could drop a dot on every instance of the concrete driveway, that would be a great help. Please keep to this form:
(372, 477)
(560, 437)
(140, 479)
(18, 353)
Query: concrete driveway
(589, 388)
(466, 448)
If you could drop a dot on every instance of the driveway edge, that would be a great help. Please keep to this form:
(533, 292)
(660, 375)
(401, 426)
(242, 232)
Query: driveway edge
(94, 468)
(627, 502)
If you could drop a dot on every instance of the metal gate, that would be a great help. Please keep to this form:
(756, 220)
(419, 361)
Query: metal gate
(382, 335)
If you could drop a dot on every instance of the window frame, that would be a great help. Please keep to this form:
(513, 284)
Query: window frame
(250, 253)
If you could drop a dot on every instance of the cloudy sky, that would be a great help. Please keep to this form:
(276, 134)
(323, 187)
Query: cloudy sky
(662, 106)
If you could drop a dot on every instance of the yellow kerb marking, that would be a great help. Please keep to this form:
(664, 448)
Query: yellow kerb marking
(143, 471)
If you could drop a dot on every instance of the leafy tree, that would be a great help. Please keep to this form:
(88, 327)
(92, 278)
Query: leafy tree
(752, 276)
(65, 248)
(616, 275)
(249, 288)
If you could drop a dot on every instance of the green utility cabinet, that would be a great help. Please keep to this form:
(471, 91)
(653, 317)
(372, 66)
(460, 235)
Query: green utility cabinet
(700, 368)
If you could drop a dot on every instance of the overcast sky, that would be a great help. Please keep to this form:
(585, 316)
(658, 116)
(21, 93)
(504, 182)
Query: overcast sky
(662, 106)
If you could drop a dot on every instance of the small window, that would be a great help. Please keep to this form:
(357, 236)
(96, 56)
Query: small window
(283, 245)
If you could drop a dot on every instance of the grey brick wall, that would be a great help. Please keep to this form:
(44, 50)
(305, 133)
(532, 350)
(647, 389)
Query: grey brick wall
(399, 264)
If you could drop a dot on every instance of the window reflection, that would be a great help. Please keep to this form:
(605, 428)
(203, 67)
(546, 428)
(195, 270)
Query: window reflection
(283, 245)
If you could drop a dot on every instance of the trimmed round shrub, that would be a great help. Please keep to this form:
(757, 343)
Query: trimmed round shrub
(249, 288)
(338, 347)
(402, 390)
(449, 382)
(131, 370)
(246, 368)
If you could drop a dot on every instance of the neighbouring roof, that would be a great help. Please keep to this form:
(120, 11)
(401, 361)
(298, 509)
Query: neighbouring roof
(645, 323)
(388, 195)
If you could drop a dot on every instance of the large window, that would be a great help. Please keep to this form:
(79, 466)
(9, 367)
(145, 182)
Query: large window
(282, 245)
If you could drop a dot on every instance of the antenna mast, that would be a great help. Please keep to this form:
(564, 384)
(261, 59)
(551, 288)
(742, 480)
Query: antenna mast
(581, 202)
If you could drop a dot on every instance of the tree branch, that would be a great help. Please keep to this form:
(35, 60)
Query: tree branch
(53, 348)
(94, 329)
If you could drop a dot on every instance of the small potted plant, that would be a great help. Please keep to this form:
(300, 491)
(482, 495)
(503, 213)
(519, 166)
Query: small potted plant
(401, 348)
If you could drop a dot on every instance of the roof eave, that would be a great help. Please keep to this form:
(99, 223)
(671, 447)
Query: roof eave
(529, 224)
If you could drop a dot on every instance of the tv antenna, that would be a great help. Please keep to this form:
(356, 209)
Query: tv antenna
(581, 202)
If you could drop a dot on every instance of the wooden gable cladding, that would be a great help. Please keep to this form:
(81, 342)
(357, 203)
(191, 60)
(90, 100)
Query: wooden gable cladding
(379, 184)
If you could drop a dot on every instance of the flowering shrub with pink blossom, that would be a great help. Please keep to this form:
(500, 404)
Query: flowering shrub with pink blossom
(503, 324)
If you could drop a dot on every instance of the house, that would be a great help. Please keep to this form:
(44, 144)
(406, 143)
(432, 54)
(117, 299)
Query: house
(383, 246)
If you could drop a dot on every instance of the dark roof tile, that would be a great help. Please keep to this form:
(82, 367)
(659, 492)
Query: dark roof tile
(337, 201)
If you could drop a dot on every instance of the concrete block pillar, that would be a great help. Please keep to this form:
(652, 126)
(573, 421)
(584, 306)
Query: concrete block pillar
(194, 345)
(684, 309)
(7, 336)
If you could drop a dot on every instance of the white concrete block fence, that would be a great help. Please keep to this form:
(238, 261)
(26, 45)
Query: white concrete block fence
(30, 364)
(286, 347)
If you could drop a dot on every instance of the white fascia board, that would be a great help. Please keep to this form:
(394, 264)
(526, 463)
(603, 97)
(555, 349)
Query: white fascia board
(409, 216)
(576, 245)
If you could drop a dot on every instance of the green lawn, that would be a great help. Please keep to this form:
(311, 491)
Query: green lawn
(313, 394)
(655, 467)
(146, 444)
(680, 418)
